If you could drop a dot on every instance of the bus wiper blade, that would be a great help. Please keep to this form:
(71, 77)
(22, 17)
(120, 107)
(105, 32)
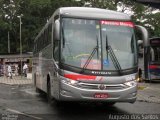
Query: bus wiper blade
(91, 55)
(114, 59)
(113, 56)
(97, 47)
(89, 58)
(63, 38)
(107, 47)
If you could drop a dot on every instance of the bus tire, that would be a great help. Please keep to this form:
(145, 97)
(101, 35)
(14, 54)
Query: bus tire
(49, 98)
(35, 80)
(109, 103)
(62, 103)
(37, 89)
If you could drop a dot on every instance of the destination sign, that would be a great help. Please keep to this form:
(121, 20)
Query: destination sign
(117, 23)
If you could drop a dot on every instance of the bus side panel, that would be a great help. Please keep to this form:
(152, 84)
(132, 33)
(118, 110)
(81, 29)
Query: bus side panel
(36, 72)
(49, 73)
(45, 66)
(54, 81)
(154, 71)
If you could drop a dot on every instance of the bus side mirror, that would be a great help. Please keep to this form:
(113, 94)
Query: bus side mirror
(140, 42)
(146, 45)
(56, 30)
(144, 34)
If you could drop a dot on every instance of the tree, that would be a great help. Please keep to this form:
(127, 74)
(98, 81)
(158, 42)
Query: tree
(35, 14)
(9, 11)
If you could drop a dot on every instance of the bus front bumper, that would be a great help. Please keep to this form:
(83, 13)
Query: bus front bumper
(73, 93)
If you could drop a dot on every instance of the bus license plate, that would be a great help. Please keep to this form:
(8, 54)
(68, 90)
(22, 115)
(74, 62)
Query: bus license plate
(100, 95)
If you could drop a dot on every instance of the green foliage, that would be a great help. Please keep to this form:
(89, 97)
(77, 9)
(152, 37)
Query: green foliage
(154, 20)
(35, 14)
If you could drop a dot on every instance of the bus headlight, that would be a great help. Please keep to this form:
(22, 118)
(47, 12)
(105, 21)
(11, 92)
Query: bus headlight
(70, 82)
(73, 82)
(131, 83)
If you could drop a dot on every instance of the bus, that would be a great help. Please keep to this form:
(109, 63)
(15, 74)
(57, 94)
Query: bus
(87, 54)
(154, 61)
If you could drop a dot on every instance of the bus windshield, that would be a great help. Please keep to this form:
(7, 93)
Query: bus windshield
(84, 44)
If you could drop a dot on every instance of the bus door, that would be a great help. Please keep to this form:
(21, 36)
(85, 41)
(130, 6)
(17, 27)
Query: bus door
(154, 63)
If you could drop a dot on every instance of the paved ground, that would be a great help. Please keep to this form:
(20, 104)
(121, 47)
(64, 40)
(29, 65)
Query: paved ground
(19, 103)
(147, 92)
(16, 80)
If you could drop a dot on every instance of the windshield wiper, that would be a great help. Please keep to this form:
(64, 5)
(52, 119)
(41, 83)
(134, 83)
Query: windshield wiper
(91, 56)
(107, 47)
(113, 56)
(63, 38)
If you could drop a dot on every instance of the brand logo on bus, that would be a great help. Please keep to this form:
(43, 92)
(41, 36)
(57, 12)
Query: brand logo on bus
(102, 73)
(101, 87)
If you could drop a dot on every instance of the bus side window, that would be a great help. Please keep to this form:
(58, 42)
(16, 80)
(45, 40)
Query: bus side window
(55, 47)
(56, 51)
(49, 34)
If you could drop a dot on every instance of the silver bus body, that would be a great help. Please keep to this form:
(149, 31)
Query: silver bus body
(64, 80)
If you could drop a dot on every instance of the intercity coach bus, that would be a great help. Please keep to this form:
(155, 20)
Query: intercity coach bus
(87, 54)
(152, 71)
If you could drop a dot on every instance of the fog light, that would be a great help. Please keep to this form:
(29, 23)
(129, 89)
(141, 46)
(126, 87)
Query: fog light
(131, 83)
(134, 94)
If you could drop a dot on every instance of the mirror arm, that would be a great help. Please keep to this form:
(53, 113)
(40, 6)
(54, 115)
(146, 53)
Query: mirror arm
(145, 35)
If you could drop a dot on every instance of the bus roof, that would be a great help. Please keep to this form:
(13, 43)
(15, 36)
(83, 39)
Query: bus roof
(93, 13)
(88, 13)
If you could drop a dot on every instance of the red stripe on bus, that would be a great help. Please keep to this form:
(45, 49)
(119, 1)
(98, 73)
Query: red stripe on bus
(79, 77)
(153, 66)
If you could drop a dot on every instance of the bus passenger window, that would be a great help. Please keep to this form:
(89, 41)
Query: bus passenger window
(56, 51)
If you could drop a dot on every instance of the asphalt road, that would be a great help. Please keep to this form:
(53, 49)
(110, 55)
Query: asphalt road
(23, 103)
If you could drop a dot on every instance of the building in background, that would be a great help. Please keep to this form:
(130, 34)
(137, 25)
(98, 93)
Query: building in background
(15, 61)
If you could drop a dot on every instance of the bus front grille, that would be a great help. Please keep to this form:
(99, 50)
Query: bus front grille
(101, 86)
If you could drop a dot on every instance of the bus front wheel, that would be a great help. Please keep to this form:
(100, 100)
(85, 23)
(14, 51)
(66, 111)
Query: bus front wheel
(109, 103)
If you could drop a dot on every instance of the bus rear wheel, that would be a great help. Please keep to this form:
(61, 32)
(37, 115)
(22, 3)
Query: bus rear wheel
(49, 98)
